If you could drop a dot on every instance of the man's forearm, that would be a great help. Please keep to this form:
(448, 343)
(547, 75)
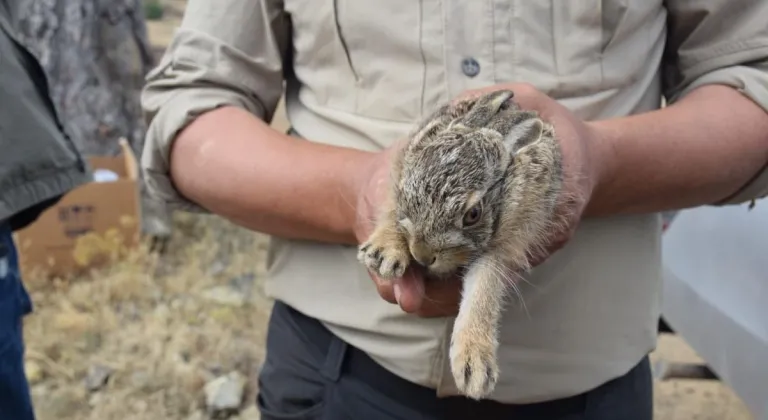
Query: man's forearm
(698, 151)
(235, 165)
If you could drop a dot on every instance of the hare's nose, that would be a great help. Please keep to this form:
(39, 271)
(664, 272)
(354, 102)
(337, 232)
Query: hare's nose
(426, 260)
(423, 254)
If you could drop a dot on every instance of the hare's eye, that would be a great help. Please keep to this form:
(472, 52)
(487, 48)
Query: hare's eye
(472, 215)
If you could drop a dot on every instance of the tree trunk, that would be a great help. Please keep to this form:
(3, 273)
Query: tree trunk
(96, 54)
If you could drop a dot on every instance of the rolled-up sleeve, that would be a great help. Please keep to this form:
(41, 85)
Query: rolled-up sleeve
(224, 53)
(721, 42)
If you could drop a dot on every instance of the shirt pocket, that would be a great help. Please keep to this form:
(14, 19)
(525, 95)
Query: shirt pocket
(575, 48)
(632, 32)
(382, 43)
(319, 59)
(361, 56)
(557, 44)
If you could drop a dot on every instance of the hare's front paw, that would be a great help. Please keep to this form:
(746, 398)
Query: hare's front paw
(473, 362)
(385, 254)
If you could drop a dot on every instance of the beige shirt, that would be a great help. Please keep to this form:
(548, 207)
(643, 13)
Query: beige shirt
(359, 73)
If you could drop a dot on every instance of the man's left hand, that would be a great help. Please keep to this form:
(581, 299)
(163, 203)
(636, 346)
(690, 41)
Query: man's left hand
(584, 165)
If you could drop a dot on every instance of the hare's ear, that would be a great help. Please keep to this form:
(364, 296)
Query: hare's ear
(428, 126)
(523, 135)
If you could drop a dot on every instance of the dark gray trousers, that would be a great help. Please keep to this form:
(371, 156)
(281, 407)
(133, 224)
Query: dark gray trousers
(311, 374)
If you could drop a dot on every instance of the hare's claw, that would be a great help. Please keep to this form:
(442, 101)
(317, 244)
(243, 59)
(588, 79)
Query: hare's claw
(385, 255)
(473, 363)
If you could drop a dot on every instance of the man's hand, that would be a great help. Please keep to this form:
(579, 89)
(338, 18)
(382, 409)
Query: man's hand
(584, 158)
(414, 294)
(581, 156)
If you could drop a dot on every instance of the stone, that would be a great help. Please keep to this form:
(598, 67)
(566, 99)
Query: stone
(33, 371)
(40, 391)
(95, 399)
(140, 379)
(140, 406)
(250, 413)
(225, 296)
(225, 393)
(243, 283)
(197, 415)
(97, 377)
(217, 267)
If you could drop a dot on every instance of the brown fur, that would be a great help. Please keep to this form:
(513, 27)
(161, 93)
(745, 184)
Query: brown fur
(484, 151)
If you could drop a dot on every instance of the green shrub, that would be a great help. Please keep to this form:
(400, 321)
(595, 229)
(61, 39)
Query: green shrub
(153, 10)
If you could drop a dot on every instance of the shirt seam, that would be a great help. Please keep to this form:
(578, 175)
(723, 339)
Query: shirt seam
(726, 51)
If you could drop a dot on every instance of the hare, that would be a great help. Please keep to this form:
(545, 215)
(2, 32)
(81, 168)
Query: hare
(473, 192)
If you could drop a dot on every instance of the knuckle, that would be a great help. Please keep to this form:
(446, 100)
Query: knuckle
(524, 89)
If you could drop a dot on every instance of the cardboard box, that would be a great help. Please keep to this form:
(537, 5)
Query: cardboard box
(89, 226)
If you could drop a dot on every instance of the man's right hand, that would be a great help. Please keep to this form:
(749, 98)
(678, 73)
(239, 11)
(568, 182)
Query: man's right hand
(413, 293)
(237, 166)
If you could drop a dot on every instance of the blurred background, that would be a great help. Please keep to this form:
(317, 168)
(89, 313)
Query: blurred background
(171, 324)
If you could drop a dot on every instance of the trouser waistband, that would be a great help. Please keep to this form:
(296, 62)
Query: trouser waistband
(343, 359)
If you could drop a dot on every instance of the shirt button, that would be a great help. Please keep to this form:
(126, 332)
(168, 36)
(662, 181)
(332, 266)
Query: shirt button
(470, 67)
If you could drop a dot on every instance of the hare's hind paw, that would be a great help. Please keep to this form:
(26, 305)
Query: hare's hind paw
(385, 254)
(473, 363)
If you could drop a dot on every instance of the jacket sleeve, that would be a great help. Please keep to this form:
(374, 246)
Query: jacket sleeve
(719, 42)
(225, 52)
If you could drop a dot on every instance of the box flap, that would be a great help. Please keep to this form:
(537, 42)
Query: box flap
(130, 161)
(124, 165)
(114, 164)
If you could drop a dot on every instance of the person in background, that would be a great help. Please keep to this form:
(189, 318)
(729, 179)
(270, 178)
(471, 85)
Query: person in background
(356, 76)
(39, 163)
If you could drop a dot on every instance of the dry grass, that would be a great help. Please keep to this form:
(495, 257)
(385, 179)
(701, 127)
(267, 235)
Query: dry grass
(148, 319)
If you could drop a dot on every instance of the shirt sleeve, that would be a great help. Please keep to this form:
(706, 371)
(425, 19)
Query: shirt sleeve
(719, 42)
(224, 53)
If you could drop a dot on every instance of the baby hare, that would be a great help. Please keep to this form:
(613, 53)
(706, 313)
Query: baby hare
(473, 193)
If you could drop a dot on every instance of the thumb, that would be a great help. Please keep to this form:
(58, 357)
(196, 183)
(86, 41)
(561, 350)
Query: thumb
(409, 291)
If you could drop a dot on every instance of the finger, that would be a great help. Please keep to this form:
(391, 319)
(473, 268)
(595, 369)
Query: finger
(467, 94)
(554, 246)
(385, 288)
(442, 298)
(539, 254)
(409, 291)
(538, 258)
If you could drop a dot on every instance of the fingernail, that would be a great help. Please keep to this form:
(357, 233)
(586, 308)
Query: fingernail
(397, 293)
